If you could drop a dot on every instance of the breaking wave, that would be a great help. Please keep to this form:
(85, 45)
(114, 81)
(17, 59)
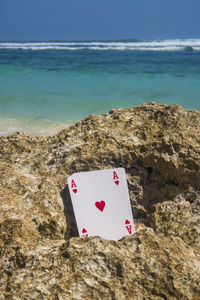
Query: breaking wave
(156, 45)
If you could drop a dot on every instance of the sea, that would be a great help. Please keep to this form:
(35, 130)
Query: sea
(47, 86)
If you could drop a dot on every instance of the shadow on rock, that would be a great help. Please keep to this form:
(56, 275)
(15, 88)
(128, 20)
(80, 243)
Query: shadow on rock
(71, 230)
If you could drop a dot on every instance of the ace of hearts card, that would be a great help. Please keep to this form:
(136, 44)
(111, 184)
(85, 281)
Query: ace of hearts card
(101, 203)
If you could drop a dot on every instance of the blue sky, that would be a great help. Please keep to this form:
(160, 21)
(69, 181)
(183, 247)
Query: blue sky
(98, 19)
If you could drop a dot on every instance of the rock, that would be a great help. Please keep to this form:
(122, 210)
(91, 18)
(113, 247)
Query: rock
(41, 256)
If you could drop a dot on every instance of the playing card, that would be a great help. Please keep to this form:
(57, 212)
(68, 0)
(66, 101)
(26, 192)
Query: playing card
(101, 203)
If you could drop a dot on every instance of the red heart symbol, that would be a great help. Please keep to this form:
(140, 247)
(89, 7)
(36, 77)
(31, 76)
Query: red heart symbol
(100, 205)
(127, 222)
(117, 182)
(74, 190)
(84, 230)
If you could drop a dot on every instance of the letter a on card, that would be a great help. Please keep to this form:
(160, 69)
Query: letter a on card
(102, 208)
(73, 186)
(115, 178)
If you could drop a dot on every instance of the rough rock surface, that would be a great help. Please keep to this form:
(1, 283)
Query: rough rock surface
(40, 255)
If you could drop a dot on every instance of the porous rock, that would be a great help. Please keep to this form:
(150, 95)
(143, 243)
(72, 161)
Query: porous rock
(41, 256)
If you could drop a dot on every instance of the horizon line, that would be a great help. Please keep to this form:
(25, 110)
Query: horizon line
(97, 40)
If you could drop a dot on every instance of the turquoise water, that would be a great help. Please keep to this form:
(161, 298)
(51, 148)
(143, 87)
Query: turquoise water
(47, 86)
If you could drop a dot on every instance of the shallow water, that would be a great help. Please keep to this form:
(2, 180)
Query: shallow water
(47, 86)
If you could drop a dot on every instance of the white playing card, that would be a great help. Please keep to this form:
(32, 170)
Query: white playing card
(101, 203)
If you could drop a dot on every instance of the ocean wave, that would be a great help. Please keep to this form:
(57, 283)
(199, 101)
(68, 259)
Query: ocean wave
(157, 45)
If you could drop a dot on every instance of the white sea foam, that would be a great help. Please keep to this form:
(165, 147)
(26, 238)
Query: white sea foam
(29, 125)
(157, 45)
